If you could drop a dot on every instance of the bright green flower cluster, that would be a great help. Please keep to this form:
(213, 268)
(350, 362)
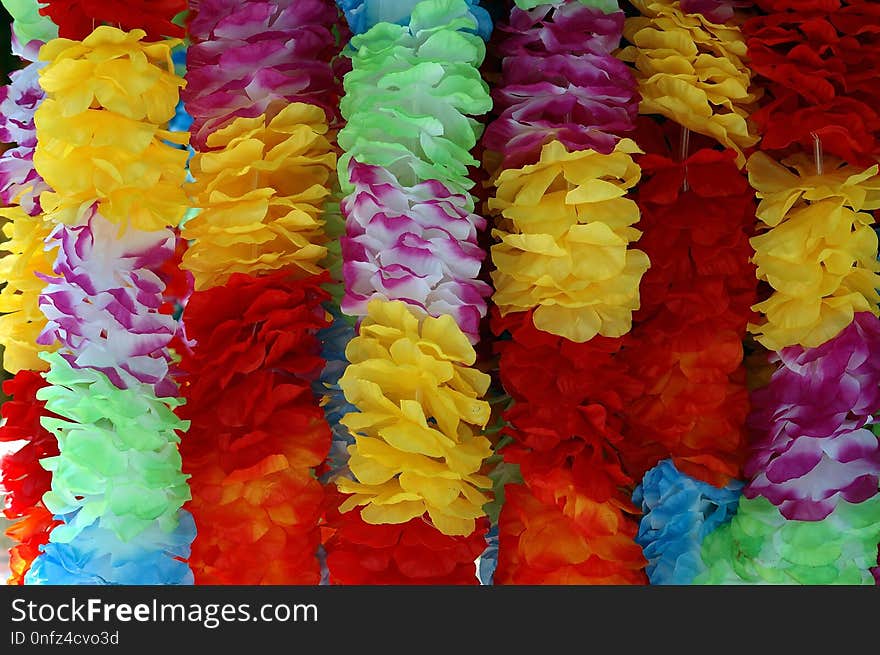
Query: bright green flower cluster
(119, 464)
(759, 546)
(412, 95)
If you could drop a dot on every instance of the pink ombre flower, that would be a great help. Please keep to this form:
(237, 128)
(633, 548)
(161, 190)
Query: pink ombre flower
(19, 181)
(248, 57)
(103, 305)
(811, 446)
(417, 244)
(561, 82)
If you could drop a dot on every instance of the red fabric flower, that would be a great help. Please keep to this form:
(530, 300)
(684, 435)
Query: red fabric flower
(566, 421)
(820, 66)
(257, 432)
(539, 544)
(686, 342)
(76, 19)
(414, 552)
(24, 480)
(30, 533)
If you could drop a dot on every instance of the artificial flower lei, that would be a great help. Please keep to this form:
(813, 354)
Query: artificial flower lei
(260, 91)
(567, 283)
(117, 484)
(410, 260)
(688, 428)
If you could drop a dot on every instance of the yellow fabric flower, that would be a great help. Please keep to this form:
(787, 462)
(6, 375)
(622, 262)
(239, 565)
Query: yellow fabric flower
(692, 71)
(779, 186)
(563, 246)
(99, 136)
(22, 320)
(820, 253)
(416, 444)
(113, 70)
(261, 191)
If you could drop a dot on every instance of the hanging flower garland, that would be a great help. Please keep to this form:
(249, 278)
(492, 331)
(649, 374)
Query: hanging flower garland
(24, 481)
(261, 93)
(688, 334)
(687, 344)
(809, 512)
(688, 428)
(567, 281)
(410, 264)
(109, 386)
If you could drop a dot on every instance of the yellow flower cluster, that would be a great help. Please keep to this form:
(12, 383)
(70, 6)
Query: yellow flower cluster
(260, 190)
(24, 258)
(417, 447)
(692, 71)
(820, 251)
(563, 241)
(99, 136)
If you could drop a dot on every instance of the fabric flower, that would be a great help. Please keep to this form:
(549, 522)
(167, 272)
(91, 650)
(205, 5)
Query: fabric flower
(811, 448)
(258, 433)
(760, 546)
(417, 447)
(552, 89)
(563, 247)
(77, 18)
(255, 57)
(19, 181)
(29, 534)
(409, 553)
(686, 344)
(416, 244)
(24, 481)
(565, 393)
(102, 305)
(118, 466)
(698, 242)
(25, 260)
(412, 96)
(694, 407)
(820, 253)
(28, 24)
(819, 67)
(99, 557)
(692, 71)
(260, 190)
(538, 544)
(106, 100)
(678, 513)
(570, 523)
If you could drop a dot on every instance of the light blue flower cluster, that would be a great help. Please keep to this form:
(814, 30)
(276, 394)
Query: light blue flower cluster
(99, 557)
(679, 511)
